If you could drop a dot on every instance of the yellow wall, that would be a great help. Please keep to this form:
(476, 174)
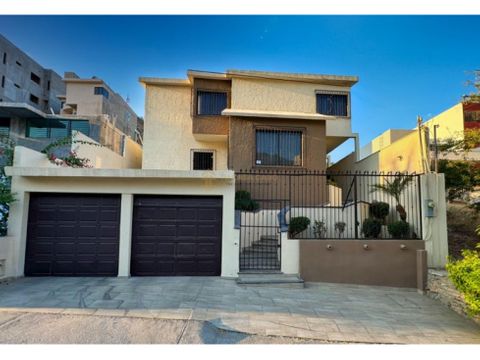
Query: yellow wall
(402, 155)
(450, 121)
(168, 138)
(277, 95)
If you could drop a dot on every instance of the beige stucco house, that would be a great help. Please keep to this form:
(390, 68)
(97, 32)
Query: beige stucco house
(174, 212)
(198, 131)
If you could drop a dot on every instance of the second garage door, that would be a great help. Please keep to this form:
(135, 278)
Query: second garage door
(176, 235)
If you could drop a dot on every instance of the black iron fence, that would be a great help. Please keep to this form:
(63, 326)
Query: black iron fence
(325, 205)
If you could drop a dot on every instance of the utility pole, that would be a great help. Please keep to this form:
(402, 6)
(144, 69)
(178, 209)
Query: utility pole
(436, 146)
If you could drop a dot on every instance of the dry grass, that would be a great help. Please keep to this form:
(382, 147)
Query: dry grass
(461, 224)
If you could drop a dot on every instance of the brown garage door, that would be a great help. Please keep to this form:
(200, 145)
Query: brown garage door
(176, 235)
(72, 235)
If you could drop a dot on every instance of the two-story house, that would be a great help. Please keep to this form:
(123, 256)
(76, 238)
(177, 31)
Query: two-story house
(245, 120)
(175, 215)
(207, 137)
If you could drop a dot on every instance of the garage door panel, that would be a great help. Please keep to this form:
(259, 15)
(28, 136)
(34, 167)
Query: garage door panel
(109, 215)
(186, 214)
(177, 222)
(164, 230)
(145, 248)
(86, 248)
(63, 247)
(206, 249)
(207, 230)
(186, 249)
(165, 249)
(39, 267)
(163, 214)
(109, 231)
(72, 235)
(68, 214)
(42, 248)
(106, 248)
(208, 214)
(186, 230)
(88, 214)
(87, 230)
(44, 230)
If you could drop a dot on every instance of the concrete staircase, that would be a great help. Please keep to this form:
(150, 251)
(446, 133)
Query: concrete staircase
(260, 265)
(261, 255)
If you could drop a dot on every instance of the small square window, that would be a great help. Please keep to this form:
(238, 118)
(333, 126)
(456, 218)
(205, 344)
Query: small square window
(99, 90)
(34, 99)
(203, 160)
(4, 126)
(35, 78)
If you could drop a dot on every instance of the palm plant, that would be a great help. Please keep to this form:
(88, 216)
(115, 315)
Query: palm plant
(394, 189)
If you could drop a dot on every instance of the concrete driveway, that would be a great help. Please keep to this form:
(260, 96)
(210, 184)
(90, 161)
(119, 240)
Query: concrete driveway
(321, 312)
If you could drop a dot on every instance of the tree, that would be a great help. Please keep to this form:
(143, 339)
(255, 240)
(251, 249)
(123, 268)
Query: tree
(460, 177)
(395, 189)
(6, 196)
(474, 96)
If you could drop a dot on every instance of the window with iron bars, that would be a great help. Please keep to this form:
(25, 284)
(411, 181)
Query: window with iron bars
(276, 147)
(211, 103)
(202, 160)
(332, 103)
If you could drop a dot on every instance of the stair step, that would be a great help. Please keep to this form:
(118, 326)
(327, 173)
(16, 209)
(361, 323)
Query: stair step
(265, 247)
(269, 237)
(270, 280)
(266, 242)
(257, 250)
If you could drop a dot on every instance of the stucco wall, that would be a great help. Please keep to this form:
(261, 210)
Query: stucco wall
(277, 95)
(450, 121)
(168, 138)
(383, 263)
(402, 155)
(242, 141)
(82, 94)
(103, 157)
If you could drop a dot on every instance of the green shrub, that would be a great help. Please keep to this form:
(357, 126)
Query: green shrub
(379, 210)
(371, 228)
(297, 225)
(399, 229)
(460, 177)
(244, 202)
(465, 275)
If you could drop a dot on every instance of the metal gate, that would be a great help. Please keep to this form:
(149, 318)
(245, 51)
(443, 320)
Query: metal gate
(335, 205)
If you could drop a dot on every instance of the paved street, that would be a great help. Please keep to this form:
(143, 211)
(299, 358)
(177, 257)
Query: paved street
(41, 328)
(123, 307)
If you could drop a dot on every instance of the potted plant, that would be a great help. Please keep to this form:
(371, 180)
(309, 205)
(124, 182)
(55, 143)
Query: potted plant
(340, 228)
(319, 229)
(371, 228)
(379, 210)
(399, 229)
(297, 225)
(394, 189)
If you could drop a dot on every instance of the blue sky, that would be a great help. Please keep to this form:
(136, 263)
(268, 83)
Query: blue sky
(408, 65)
